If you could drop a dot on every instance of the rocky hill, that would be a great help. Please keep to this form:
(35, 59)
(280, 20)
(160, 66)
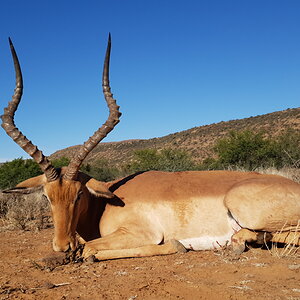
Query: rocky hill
(198, 141)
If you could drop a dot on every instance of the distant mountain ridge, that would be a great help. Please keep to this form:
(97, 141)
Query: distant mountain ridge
(197, 141)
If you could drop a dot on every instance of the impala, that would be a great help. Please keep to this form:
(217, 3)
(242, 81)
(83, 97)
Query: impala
(153, 213)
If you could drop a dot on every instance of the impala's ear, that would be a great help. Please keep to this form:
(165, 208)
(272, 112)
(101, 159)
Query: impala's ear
(99, 189)
(23, 190)
(29, 186)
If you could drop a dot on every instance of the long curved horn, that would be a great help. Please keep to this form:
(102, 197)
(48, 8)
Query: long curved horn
(102, 132)
(11, 129)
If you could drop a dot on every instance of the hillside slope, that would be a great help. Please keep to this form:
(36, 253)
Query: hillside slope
(198, 141)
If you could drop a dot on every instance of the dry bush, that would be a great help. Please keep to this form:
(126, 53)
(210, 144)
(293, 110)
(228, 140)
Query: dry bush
(287, 250)
(26, 212)
(291, 173)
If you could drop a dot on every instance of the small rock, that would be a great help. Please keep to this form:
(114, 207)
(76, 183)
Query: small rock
(48, 285)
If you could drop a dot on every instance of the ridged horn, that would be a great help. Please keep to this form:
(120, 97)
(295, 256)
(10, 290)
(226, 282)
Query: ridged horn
(11, 129)
(102, 132)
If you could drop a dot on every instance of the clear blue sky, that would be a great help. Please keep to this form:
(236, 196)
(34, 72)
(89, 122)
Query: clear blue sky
(174, 65)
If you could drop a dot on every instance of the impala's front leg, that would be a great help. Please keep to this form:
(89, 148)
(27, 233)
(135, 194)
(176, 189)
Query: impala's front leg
(169, 247)
(119, 239)
(122, 244)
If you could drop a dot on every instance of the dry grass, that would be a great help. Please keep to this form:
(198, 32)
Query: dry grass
(287, 250)
(26, 212)
(291, 173)
(288, 172)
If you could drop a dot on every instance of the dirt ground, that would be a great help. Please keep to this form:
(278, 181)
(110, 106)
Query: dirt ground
(25, 274)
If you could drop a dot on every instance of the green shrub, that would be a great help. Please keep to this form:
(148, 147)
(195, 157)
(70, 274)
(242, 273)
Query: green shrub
(165, 160)
(60, 162)
(210, 164)
(289, 147)
(101, 170)
(249, 150)
(17, 170)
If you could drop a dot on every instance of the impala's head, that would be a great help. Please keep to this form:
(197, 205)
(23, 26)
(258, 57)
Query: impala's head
(68, 201)
(67, 190)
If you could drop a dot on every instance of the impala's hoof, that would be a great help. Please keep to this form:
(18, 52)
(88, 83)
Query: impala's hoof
(178, 246)
(91, 259)
(237, 250)
(88, 251)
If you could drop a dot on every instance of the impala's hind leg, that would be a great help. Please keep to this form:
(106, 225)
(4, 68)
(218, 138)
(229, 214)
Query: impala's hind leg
(239, 239)
(287, 237)
(263, 204)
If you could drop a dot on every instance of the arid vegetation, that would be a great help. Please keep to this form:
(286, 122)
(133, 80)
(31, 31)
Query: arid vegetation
(26, 212)
(273, 151)
(269, 273)
(198, 142)
(244, 150)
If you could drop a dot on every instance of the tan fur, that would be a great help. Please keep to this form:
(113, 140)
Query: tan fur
(133, 216)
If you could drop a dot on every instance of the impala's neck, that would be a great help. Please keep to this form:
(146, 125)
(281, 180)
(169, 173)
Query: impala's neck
(88, 222)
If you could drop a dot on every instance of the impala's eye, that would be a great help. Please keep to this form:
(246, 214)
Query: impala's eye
(78, 196)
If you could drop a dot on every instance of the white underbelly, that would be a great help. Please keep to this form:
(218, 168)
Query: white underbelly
(206, 242)
(209, 242)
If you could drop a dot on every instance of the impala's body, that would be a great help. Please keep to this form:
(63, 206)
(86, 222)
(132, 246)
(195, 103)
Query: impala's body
(148, 213)
(196, 207)
(203, 210)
